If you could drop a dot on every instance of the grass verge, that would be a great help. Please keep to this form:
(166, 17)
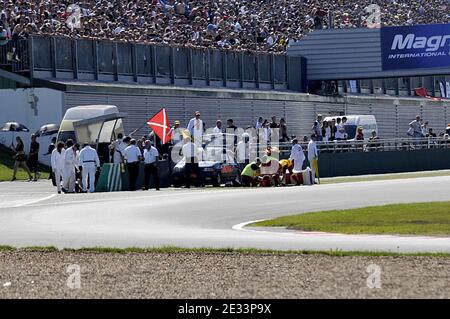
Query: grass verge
(7, 165)
(383, 177)
(431, 219)
(245, 251)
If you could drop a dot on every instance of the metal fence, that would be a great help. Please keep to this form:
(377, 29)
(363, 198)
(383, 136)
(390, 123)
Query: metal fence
(381, 145)
(403, 86)
(85, 59)
(14, 56)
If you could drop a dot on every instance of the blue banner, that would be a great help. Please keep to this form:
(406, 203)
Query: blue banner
(413, 47)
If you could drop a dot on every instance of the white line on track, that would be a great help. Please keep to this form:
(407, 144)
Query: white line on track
(35, 201)
(242, 227)
(114, 198)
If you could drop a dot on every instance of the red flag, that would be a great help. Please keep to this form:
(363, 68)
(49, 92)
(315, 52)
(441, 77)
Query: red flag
(160, 124)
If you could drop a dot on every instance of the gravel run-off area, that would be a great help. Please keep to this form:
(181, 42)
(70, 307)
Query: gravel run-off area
(25, 274)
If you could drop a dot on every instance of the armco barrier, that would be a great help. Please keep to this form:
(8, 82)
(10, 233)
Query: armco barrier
(364, 163)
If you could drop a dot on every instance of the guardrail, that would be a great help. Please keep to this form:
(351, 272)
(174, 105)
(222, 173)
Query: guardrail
(105, 60)
(381, 145)
(14, 56)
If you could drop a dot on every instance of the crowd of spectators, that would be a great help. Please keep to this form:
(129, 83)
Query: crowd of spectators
(262, 25)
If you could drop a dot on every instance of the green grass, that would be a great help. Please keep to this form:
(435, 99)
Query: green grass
(7, 165)
(245, 251)
(432, 219)
(383, 177)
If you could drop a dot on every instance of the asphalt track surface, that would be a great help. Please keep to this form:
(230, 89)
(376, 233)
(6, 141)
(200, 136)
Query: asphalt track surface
(31, 214)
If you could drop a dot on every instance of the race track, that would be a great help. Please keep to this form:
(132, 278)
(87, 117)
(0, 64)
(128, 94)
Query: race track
(31, 214)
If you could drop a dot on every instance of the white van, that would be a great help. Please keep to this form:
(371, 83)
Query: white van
(368, 123)
(92, 124)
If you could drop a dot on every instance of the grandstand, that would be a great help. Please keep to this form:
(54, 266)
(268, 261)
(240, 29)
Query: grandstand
(257, 25)
(226, 58)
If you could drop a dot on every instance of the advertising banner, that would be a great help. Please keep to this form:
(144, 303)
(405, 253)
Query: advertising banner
(412, 47)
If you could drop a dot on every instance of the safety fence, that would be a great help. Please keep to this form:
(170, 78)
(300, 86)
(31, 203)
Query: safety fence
(88, 59)
(14, 56)
(377, 145)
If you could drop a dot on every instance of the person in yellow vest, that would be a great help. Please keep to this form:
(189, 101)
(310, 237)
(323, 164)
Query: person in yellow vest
(286, 167)
(249, 175)
(271, 166)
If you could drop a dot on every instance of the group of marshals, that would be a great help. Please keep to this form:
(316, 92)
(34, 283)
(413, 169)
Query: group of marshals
(66, 159)
(269, 170)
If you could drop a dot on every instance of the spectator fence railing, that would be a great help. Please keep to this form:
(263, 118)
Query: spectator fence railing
(14, 56)
(106, 60)
(381, 145)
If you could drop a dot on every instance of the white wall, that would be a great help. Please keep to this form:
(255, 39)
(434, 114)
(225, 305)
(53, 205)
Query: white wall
(18, 106)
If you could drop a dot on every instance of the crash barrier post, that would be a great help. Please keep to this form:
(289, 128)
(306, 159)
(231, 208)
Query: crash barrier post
(110, 179)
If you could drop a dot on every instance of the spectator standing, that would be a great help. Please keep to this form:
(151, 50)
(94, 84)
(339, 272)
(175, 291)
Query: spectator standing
(33, 157)
(151, 156)
(195, 128)
(132, 156)
(218, 128)
(326, 131)
(317, 127)
(243, 151)
(3, 35)
(374, 145)
(231, 128)
(416, 127)
(360, 134)
(264, 132)
(333, 130)
(177, 134)
(274, 134)
(360, 138)
(425, 129)
(344, 123)
(340, 131)
(259, 123)
(430, 133)
(240, 25)
(431, 136)
(274, 123)
(20, 160)
(284, 137)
